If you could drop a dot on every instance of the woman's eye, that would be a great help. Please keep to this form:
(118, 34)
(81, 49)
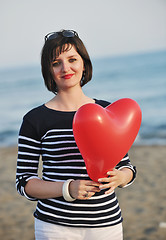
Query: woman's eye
(55, 64)
(72, 60)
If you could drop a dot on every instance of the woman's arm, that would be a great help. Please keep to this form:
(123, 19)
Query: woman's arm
(122, 175)
(28, 183)
(116, 178)
(40, 189)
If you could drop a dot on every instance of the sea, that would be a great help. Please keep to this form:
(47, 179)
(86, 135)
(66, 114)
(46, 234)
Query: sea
(141, 77)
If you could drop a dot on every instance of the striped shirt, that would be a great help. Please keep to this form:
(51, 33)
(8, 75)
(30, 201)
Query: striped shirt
(48, 133)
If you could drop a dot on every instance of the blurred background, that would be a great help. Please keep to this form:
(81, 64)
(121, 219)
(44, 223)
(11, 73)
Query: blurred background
(126, 41)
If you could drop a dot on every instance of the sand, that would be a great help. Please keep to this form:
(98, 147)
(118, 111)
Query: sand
(143, 204)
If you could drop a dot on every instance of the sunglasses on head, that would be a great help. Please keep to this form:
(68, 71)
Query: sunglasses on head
(64, 33)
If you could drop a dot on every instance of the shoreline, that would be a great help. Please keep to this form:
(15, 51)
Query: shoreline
(142, 203)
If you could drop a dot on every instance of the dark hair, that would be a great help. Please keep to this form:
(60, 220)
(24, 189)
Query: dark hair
(53, 48)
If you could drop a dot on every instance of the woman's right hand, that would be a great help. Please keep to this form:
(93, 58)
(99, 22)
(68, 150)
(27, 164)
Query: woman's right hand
(83, 189)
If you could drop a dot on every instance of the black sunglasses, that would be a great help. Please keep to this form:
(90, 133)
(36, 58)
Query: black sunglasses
(64, 33)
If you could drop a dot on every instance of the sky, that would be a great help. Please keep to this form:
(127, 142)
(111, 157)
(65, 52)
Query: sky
(107, 27)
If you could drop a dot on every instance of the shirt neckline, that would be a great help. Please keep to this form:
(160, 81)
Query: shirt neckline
(58, 111)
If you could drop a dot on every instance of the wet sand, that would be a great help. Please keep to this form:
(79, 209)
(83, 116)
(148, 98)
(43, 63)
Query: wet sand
(143, 204)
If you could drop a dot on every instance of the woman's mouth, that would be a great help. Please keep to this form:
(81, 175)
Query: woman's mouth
(68, 76)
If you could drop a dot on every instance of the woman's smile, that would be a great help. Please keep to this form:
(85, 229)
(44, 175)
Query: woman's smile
(67, 76)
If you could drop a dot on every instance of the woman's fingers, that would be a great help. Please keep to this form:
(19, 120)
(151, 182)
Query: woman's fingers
(110, 182)
(83, 189)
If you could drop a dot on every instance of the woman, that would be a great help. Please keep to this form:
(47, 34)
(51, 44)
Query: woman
(70, 205)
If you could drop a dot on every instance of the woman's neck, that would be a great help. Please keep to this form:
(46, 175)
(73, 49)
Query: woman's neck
(69, 101)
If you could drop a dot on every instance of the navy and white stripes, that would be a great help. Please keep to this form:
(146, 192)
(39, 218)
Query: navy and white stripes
(48, 133)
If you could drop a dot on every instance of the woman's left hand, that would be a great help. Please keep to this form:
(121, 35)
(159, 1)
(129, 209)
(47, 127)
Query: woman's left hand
(115, 178)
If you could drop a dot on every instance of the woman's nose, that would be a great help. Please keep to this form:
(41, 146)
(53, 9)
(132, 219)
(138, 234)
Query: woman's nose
(65, 67)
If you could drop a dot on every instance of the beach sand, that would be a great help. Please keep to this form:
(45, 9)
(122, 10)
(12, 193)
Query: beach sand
(143, 203)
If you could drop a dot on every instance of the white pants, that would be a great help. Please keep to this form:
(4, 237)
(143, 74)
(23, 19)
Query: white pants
(49, 231)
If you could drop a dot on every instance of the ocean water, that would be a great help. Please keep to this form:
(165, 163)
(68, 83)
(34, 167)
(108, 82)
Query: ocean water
(141, 77)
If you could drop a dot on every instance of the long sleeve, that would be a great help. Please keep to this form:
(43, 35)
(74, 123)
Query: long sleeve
(29, 149)
(125, 163)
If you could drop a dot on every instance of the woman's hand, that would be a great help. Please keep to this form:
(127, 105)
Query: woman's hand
(116, 178)
(83, 189)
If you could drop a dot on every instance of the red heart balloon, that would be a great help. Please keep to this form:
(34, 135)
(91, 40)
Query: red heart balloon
(105, 135)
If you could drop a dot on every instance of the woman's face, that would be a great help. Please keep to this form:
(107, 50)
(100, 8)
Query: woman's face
(68, 68)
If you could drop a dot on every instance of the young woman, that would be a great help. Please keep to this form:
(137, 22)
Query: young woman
(70, 205)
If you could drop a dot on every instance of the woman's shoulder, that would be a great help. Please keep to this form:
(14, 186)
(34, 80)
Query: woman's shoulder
(102, 103)
(35, 112)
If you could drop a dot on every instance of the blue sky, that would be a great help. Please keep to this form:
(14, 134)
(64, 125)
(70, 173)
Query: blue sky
(108, 27)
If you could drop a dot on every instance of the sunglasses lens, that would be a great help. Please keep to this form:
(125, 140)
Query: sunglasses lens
(52, 36)
(68, 33)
